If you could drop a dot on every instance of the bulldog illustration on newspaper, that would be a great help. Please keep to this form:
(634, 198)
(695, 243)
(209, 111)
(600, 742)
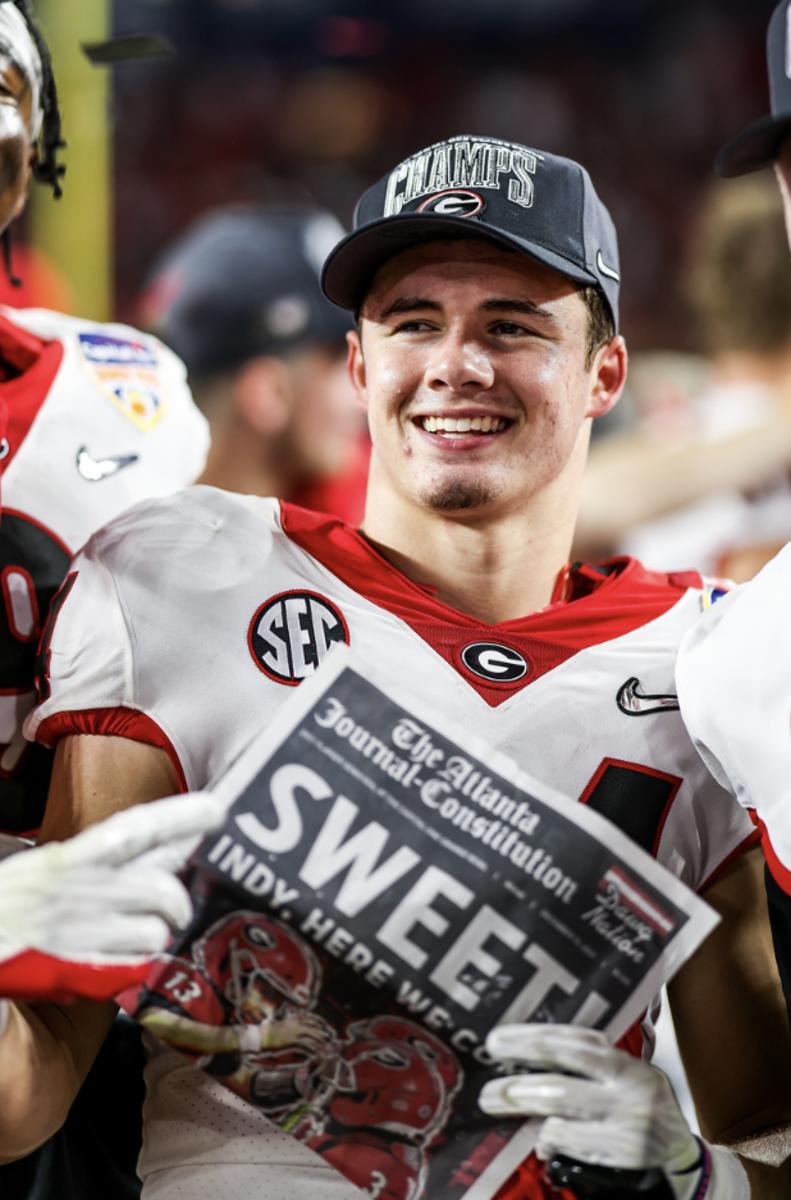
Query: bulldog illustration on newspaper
(384, 891)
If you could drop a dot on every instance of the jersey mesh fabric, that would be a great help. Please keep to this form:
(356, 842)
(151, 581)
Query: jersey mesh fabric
(182, 1099)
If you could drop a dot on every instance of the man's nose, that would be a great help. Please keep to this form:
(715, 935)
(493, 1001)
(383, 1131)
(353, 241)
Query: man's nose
(459, 364)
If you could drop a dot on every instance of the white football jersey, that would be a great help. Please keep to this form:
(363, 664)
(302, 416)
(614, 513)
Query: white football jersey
(186, 623)
(734, 686)
(99, 417)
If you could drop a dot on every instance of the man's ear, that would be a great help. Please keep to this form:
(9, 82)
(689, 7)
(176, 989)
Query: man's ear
(262, 395)
(608, 376)
(355, 365)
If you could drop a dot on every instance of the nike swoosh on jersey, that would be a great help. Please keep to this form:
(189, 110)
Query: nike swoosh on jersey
(95, 469)
(633, 701)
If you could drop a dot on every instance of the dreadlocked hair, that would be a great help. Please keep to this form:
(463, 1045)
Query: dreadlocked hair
(46, 168)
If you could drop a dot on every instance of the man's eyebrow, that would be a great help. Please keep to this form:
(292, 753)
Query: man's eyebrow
(406, 304)
(505, 304)
(527, 307)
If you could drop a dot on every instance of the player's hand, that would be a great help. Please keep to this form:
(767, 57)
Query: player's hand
(602, 1107)
(304, 1030)
(82, 917)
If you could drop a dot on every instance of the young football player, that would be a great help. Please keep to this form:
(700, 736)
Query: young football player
(485, 279)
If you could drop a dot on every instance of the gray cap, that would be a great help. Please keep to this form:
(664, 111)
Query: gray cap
(244, 281)
(758, 145)
(517, 197)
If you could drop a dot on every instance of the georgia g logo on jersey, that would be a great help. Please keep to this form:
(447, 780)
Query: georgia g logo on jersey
(495, 662)
(291, 633)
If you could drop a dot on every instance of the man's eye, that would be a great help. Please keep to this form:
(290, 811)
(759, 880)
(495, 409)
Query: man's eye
(414, 326)
(509, 329)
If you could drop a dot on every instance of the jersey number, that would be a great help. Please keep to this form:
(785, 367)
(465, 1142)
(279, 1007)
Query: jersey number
(635, 798)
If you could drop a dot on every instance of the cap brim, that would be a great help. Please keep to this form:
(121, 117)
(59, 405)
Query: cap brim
(755, 147)
(353, 263)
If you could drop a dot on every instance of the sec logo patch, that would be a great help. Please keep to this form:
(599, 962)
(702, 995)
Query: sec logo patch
(291, 633)
(494, 662)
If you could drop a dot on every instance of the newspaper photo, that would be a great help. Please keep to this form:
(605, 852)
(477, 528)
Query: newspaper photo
(386, 889)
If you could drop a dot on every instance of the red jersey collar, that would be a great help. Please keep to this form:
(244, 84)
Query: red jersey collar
(591, 604)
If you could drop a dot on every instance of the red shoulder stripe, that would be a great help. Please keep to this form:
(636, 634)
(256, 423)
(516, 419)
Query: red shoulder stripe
(781, 873)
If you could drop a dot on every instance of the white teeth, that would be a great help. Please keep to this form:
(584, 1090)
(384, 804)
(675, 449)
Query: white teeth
(462, 424)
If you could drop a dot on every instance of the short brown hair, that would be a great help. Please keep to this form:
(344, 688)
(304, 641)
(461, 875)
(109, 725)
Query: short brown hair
(600, 323)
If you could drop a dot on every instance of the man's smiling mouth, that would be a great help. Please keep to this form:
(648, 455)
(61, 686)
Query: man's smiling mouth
(453, 426)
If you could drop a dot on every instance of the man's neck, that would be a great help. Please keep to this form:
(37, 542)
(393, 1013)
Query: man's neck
(496, 570)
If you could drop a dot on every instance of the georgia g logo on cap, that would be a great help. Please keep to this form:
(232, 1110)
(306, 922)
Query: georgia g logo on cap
(453, 202)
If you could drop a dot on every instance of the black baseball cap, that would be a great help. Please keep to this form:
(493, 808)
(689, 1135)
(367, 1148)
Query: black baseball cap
(758, 145)
(242, 281)
(523, 199)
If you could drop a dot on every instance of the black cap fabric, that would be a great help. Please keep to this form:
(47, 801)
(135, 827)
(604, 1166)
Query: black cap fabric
(520, 198)
(758, 145)
(244, 281)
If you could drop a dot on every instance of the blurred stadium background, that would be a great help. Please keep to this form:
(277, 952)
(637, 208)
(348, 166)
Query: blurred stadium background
(267, 99)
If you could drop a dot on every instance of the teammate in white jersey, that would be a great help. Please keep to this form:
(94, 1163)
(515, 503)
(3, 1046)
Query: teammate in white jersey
(733, 679)
(486, 278)
(732, 675)
(99, 416)
(93, 418)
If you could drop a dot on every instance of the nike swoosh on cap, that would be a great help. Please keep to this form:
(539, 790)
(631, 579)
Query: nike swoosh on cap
(610, 272)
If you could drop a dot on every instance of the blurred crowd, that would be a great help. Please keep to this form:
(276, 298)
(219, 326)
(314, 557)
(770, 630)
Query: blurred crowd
(697, 474)
(267, 102)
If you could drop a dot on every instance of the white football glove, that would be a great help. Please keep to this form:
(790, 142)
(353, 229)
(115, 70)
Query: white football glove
(603, 1107)
(83, 917)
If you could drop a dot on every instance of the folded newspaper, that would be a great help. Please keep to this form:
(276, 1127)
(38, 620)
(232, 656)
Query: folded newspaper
(385, 889)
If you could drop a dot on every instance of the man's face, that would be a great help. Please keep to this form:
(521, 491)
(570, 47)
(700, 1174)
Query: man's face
(15, 145)
(471, 362)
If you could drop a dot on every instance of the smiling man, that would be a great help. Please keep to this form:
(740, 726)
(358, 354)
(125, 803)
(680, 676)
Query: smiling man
(480, 379)
(485, 279)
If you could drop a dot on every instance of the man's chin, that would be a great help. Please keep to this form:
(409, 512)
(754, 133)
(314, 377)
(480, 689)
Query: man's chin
(458, 495)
